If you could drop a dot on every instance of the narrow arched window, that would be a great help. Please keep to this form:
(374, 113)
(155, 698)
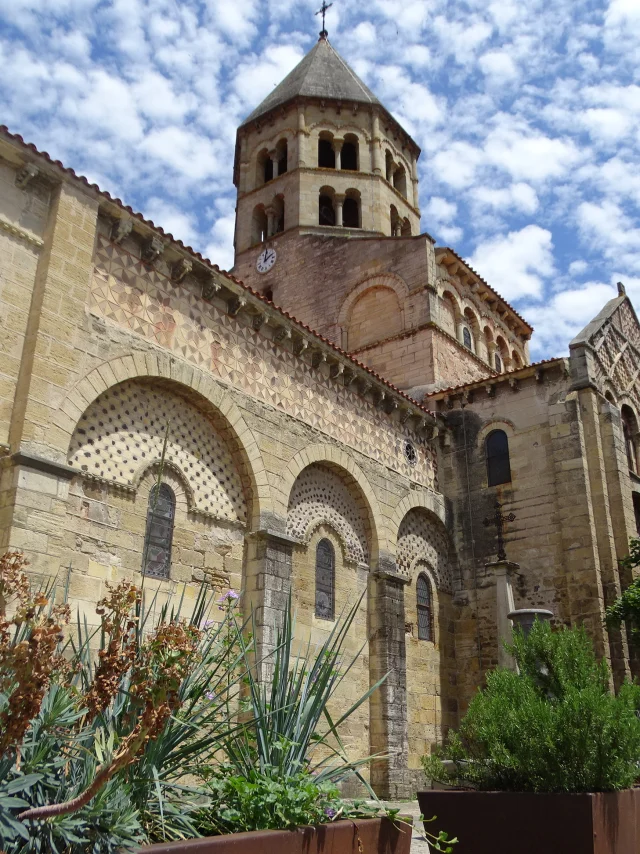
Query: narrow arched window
(498, 465)
(326, 154)
(351, 213)
(159, 535)
(466, 337)
(325, 580)
(326, 212)
(425, 608)
(498, 362)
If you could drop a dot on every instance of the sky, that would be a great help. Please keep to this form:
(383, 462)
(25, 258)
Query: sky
(527, 113)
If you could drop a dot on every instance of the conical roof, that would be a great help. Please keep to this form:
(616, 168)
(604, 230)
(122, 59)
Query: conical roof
(322, 73)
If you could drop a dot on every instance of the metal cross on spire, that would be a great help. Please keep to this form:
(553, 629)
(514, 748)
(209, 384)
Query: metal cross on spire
(498, 519)
(323, 12)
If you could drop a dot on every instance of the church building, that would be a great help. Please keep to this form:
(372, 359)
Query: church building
(351, 410)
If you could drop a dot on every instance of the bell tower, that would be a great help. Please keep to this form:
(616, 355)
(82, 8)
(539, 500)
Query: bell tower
(321, 156)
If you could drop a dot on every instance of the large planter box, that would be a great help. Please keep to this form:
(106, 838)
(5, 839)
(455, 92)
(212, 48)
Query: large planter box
(524, 823)
(365, 836)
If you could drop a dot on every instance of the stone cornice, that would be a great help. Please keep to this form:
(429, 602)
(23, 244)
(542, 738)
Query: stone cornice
(20, 233)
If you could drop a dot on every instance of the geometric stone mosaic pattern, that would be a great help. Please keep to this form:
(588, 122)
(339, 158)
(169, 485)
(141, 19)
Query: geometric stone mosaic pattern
(143, 300)
(419, 539)
(122, 433)
(319, 496)
(616, 348)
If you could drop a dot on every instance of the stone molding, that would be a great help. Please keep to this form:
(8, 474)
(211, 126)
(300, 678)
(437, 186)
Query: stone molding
(21, 233)
(33, 461)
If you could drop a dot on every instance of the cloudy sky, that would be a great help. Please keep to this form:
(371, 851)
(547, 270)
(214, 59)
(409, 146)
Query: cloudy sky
(528, 114)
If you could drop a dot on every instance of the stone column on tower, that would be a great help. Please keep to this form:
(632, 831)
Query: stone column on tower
(302, 133)
(271, 221)
(273, 155)
(338, 142)
(376, 158)
(338, 201)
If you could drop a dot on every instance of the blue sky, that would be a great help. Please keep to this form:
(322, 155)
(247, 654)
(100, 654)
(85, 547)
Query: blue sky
(528, 114)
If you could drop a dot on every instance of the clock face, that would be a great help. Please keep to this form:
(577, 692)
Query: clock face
(266, 260)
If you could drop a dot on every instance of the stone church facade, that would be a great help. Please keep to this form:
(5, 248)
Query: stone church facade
(340, 413)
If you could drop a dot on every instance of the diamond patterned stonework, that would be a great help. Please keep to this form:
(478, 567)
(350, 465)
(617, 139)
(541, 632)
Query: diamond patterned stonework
(144, 300)
(122, 434)
(320, 496)
(419, 540)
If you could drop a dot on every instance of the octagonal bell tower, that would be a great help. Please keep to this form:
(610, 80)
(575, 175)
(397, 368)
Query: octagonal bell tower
(321, 156)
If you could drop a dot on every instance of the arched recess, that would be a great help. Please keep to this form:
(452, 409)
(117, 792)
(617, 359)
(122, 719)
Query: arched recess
(375, 315)
(351, 475)
(631, 436)
(195, 385)
(424, 551)
(389, 281)
(127, 427)
(450, 313)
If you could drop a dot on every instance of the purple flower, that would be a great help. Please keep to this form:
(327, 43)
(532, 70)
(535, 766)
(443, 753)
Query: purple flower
(207, 624)
(228, 598)
(210, 695)
(330, 812)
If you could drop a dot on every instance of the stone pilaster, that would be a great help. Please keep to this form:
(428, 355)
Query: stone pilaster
(504, 571)
(388, 706)
(268, 582)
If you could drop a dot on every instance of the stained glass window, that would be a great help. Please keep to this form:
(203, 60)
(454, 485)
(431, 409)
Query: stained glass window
(160, 518)
(325, 580)
(498, 464)
(425, 616)
(466, 338)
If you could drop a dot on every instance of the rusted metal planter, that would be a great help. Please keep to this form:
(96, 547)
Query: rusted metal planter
(366, 836)
(524, 823)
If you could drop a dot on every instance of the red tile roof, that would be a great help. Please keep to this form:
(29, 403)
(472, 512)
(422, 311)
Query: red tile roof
(493, 378)
(29, 146)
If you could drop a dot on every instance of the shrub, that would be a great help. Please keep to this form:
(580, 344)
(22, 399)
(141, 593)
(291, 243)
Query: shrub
(626, 608)
(554, 726)
(263, 800)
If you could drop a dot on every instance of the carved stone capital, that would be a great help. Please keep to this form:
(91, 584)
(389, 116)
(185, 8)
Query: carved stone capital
(152, 249)
(281, 333)
(26, 174)
(300, 346)
(256, 321)
(181, 269)
(235, 304)
(317, 358)
(210, 288)
(121, 229)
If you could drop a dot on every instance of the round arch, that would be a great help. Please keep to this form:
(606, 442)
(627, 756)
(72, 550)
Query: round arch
(202, 387)
(385, 280)
(336, 457)
(433, 502)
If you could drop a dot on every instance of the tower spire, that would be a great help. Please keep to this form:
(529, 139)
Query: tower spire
(323, 11)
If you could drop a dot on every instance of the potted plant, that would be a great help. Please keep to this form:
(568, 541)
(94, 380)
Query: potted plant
(545, 758)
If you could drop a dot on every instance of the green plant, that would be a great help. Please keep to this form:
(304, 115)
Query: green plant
(265, 801)
(626, 608)
(288, 723)
(554, 726)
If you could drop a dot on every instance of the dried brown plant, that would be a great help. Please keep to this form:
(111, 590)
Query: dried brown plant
(28, 648)
(119, 622)
(162, 663)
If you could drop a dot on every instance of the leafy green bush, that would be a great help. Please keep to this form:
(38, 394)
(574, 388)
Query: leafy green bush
(626, 609)
(266, 801)
(554, 726)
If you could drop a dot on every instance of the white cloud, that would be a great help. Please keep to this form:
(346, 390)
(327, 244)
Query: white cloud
(177, 222)
(516, 264)
(519, 197)
(499, 67)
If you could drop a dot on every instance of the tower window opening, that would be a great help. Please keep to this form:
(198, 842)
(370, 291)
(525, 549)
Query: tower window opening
(388, 160)
(326, 154)
(259, 225)
(268, 170)
(498, 362)
(498, 462)
(326, 211)
(159, 533)
(425, 608)
(395, 221)
(325, 580)
(351, 213)
(267, 293)
(349, 156)
(406, 228)
(400, 181)
(466, 338)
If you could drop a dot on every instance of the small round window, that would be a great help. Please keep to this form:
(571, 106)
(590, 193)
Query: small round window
(410, 453)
